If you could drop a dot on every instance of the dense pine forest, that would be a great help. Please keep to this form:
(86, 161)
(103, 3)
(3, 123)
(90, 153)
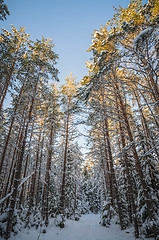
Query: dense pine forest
(44, 173)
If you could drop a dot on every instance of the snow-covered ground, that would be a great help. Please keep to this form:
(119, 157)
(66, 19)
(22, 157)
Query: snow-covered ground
(87, 228)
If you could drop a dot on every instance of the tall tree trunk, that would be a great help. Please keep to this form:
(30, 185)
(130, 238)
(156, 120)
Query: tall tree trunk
(39, 176)
(12, 163)
(113, 175)
(108, 166)
(154, 86)
(130, 187)
(18, 168)
(105, 169)
(148, 134)
(15, 163)
(45, 203)
(152, 114)
(26, 166)
(11, 125)
(33, 180)
(148, 200)
(62, 198)
(104, 127)
(8, 79)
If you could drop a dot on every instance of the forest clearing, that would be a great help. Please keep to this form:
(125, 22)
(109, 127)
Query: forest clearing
(88, 228)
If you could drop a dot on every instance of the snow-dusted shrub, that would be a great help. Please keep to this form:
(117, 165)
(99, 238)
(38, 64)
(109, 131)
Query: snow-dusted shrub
(77, 216)
(3, 223)
(107, 214)
(17, 223)
(59, 221)
(146, 224)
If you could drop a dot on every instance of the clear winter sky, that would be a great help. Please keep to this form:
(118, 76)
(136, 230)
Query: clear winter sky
(70, 23)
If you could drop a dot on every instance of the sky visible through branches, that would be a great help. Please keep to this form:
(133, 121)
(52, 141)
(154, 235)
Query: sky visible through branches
(69, 23)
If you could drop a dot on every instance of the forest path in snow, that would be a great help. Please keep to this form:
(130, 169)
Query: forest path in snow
(87, 228)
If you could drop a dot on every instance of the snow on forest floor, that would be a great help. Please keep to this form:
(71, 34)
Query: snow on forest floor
(87, 228)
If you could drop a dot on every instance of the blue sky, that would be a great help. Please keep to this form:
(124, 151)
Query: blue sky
(69, 23)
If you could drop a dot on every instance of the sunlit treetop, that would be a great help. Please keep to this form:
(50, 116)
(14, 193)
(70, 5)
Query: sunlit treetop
(129, 20)
(100, 41)
(70, 87)
(136, 15)
(44, 49)
(16, 37)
